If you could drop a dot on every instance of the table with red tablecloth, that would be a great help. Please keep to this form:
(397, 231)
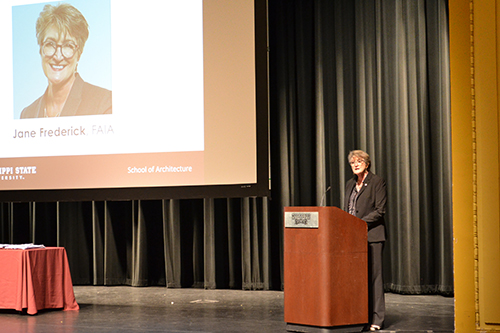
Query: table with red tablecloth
(36, 279)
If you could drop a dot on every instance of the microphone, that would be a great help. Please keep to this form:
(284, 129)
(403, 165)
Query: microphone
(324, 195)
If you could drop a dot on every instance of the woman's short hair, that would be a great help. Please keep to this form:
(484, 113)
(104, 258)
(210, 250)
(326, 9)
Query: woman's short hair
(67, 20)
(360, 155)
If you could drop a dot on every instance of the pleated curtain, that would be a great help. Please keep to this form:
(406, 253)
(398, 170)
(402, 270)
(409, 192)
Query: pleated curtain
(344, 74)
(370, 75)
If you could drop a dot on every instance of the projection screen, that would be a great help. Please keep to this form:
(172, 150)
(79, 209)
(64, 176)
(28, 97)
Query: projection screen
(169, 100)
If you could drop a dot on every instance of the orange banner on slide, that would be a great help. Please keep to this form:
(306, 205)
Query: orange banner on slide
(101, 171)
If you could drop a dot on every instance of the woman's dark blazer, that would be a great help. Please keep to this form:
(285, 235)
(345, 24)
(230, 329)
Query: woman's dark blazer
(370, 205)
(84, 99)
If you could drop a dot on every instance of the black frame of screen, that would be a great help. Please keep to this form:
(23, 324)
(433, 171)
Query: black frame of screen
(258, 189)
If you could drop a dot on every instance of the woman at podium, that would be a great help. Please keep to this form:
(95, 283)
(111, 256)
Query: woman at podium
(365, 198)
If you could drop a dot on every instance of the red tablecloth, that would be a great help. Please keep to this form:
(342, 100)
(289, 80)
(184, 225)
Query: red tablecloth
(36, 279)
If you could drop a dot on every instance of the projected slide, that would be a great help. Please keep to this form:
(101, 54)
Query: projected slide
(109, 94)
(127, 100)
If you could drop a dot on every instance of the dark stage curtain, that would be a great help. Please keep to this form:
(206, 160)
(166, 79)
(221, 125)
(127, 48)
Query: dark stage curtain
(371, 75)
(205, 243)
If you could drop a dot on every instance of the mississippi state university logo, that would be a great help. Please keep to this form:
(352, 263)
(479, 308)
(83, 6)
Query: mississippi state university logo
(301, 219)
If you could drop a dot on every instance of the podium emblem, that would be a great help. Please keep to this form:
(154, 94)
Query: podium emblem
(301, 219)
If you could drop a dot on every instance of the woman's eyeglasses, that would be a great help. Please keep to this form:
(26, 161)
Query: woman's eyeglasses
(356, 162)
(68, 50)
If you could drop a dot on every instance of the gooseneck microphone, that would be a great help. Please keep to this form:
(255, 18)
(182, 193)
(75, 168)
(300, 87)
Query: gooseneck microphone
(324, 195)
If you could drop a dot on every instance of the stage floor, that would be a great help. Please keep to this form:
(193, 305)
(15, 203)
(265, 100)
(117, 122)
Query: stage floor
(157, 309)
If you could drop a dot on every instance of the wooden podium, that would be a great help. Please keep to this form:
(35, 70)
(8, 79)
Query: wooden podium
(325, 270)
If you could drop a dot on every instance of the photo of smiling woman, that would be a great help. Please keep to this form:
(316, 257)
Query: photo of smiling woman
(61, 33)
